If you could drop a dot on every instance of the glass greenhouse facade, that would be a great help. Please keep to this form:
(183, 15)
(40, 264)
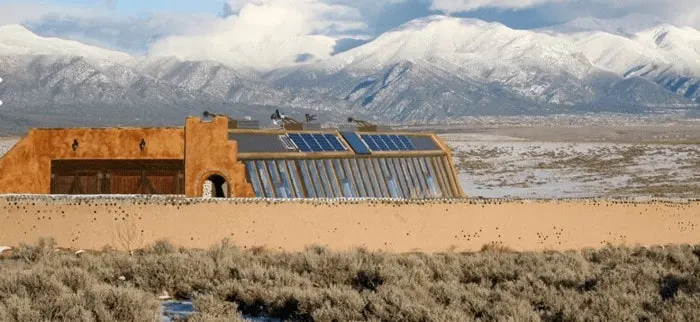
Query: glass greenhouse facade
(347, 165)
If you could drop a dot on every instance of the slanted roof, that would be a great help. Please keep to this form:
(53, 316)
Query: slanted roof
(331, 142)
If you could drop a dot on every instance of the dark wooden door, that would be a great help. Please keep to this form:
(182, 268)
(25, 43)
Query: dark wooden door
(144, 177)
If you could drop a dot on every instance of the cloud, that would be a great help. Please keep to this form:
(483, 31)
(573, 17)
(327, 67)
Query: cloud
(16, 12)
(453, 6)
(110, 4)
(232, 7)
(325, 26)
(681, 12)
(250, 24)
(132, 34)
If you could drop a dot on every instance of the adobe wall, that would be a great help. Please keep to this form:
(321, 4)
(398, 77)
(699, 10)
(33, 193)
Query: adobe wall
(379, 225)
(210, 152)
(26, 168)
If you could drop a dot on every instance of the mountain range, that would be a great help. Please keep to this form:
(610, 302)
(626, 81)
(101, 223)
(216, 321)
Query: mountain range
(429, 69)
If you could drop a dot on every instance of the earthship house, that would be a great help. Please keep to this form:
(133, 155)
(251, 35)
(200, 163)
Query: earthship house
(223, 157)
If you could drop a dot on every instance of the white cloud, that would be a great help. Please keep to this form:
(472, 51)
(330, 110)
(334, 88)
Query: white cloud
(284, 25)
(453, 6)
(16, 12)
(681, 12)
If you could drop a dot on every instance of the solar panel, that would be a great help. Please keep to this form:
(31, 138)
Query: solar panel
(355, 142)
(335, 142)
(397, 141)
(379, 142)
(390, 144)
(317, 142)
(313, 145)
(371, 143)
(407, 142)
(300, 142)
(323, 142)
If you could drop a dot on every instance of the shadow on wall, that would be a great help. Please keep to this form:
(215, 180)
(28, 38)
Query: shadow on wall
(215, 187)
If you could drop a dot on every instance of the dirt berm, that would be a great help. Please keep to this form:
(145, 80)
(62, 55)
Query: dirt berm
(464, 225)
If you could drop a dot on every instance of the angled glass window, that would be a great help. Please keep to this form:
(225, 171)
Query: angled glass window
(418, 180)
(325, 181)
(407, 164)
(391, 185)
(365, 176)
(362, 187)
(430, 177)
(397, 178)
(454, 184)
(413, 190)
(276, 181)
(402, 177)
(265, 179)
(347, 187)
(254, 179)
(442, 178)
(294, 176)
(448, 176)
(307, 179)
(285, 178)
(357, 187)
(333, 178)
(418, 176)
(405, 178)
(316, 179)
(380, 177)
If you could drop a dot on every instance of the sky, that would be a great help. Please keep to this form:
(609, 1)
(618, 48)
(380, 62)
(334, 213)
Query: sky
(147, 26)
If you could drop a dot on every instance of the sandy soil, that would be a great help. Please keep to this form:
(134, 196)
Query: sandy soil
(397, 227)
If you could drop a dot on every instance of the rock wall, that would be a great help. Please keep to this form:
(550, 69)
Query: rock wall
(397, 226)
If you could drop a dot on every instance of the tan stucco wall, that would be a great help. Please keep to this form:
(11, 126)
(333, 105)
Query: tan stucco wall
(431, 227)
(210, 152)
(26, 168)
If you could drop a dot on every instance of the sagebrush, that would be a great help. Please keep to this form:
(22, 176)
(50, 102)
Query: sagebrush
(613, 283)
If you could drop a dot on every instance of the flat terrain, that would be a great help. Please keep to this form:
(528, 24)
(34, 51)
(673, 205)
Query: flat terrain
(503, 166)
(636, 134)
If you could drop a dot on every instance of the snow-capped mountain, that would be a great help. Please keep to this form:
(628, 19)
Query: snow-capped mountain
(640, 46)
(428, 69)
(16, 40)
(449, 67)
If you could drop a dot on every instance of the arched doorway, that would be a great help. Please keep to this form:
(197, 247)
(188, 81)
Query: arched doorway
(215, 187)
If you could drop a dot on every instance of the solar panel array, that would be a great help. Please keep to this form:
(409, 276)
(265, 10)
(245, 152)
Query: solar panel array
(388, 142)
(307, 142)
(355, 142)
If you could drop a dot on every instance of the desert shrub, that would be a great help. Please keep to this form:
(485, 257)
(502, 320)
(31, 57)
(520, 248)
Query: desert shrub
(210, 309)
(163, 247)
(69, 294)
(109, 303)
(45, 248)
(316, 284)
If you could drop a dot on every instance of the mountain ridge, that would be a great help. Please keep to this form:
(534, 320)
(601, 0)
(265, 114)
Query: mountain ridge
(427, 69)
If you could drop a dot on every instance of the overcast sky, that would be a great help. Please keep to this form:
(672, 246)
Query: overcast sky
(136, 26)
